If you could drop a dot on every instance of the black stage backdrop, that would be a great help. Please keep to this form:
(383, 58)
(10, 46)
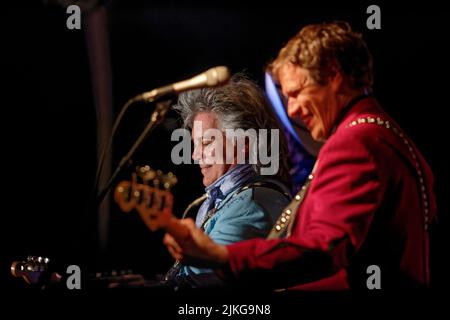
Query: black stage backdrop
(50, 119)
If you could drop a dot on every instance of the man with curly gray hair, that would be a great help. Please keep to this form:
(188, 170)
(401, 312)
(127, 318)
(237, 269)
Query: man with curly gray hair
(245, 192)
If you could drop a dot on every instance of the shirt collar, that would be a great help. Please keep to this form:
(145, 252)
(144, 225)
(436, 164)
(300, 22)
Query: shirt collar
(230, 181)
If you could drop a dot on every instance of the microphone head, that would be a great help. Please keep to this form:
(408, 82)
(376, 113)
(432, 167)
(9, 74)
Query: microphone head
(217, 76)
(211, 78)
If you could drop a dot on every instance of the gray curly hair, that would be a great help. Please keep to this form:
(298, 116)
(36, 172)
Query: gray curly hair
(240, 104)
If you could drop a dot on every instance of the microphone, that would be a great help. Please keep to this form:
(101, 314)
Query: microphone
(211, 78)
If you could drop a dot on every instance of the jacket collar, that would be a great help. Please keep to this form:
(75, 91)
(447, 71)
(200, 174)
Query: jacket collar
(364, 104)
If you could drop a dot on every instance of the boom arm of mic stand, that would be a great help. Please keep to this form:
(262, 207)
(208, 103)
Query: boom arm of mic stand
(157, 117)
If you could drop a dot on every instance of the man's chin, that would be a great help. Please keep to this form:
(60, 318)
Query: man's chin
(206, 182)
(318, 135)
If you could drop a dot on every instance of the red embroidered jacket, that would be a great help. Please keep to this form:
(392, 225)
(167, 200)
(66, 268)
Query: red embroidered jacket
(369, 203)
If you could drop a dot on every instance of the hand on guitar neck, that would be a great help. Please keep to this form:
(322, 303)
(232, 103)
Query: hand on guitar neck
(177, 229)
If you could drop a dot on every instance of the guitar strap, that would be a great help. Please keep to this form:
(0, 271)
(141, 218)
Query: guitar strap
(284, 223)
(257, 183)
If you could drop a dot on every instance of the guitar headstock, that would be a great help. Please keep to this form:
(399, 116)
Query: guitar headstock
(151, 196)
(33, 270)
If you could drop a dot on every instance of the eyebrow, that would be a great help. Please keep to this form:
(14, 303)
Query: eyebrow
(299, 87)
(292, 90)
(203, 138)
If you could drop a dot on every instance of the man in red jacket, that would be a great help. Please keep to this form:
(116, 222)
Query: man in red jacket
(368, 203)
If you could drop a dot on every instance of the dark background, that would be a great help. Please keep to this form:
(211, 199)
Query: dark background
(49, 124)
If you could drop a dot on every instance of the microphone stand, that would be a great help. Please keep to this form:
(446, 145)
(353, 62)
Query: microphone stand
(156, 118)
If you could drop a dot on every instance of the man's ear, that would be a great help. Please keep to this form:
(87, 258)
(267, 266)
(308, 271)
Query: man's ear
(336, 78)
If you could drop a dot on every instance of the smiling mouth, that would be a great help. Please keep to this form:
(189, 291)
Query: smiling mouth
(300, 125)
(204, 168)
(307, 121)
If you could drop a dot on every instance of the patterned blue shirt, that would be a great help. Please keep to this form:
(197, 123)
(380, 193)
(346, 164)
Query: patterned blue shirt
(239, 216)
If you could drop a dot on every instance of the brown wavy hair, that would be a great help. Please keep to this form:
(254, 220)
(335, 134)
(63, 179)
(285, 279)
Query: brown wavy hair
(320, 48)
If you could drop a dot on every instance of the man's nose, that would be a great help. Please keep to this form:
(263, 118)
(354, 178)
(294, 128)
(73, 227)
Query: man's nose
(293, 107)
(197, 153)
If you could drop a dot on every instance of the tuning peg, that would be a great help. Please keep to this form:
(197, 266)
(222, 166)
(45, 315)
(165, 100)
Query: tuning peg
(158, 178)
(170, 180)
(32, 270)
(146, 173)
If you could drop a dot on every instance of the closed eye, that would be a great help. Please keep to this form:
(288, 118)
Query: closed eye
(207, 141)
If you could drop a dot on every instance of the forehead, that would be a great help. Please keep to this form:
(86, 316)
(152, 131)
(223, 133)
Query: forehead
(292, 78)
(207, 120)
